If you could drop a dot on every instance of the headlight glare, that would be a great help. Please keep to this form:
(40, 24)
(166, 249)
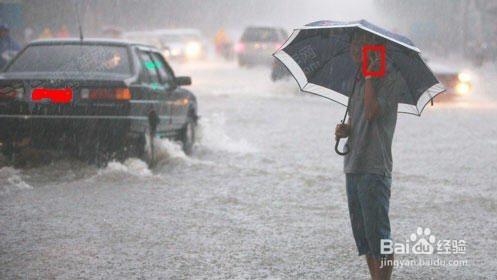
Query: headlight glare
(463, 88)
(193, 49)
(464, 77)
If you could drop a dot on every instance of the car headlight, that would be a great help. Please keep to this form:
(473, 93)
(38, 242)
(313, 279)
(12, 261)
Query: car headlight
(464, 77)
(175, 51)
(463, 88)
(193, 49)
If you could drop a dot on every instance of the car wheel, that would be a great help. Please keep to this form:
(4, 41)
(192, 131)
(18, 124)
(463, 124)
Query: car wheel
(100, 156)
(87, 149)
(187, 135)
(146, 149)
(8, 151)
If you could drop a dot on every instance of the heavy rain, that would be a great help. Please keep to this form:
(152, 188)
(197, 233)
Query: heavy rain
(161, 139)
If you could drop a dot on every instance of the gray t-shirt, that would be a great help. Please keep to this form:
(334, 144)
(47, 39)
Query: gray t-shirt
(370, 143)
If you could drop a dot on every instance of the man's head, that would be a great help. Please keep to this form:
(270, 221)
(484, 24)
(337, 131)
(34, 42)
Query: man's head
(4, 30)
(359, 40)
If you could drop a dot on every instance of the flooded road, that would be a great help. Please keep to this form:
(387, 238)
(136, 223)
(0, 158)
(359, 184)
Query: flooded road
(263, 195)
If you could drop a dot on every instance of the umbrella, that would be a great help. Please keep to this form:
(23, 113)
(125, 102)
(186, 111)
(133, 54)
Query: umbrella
(318, 57)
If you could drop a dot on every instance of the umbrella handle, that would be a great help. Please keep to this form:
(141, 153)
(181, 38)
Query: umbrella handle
(338, 151)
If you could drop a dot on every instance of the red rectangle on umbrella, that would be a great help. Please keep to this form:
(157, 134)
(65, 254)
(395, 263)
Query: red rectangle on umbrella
(55, 95)
(365, 60)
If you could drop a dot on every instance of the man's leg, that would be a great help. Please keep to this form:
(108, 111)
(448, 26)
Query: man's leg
(380, 269)
(373, 266)
(374, 197)
(356, 217)
(387, 268)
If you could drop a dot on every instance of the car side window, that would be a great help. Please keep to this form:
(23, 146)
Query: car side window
(149, 67)
(165, 73)
(144, 73)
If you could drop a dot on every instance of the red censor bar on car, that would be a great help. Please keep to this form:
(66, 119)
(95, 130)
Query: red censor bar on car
(55, 95)
(365, 60)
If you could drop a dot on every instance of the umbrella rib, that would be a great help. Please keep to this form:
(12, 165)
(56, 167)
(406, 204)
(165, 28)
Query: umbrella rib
(324, 64)
(413, 97)
(325, 97)
(329, 59)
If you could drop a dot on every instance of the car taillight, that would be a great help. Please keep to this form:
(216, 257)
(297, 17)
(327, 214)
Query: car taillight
(240, 47)
(106, 94)
(11, 93)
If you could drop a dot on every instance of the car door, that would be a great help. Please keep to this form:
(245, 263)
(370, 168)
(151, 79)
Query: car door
(174, 97)
(152, 91)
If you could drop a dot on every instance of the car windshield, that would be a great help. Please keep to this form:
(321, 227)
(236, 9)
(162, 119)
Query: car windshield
(260, 35)
(92, 59)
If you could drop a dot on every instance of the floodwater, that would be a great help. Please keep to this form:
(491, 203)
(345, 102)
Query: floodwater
(263, 196)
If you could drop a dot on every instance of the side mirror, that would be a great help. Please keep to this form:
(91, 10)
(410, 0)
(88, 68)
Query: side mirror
(183, 81)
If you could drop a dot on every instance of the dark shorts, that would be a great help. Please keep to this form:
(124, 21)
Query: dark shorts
(368, 197)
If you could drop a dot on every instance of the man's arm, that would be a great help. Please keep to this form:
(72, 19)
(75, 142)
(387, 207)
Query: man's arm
(371, 105)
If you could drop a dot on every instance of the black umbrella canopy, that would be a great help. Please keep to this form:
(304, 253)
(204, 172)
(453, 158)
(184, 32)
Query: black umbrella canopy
(318, 56)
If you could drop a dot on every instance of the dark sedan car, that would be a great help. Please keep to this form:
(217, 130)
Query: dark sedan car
(96, 99)
(257, 44)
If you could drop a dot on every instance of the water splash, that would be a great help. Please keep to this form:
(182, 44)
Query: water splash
(131, 166)
(212, 135)
(11, 180)
(167, 150)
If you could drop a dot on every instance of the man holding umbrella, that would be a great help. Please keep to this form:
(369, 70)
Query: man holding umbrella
(331, 59)
(368, 165)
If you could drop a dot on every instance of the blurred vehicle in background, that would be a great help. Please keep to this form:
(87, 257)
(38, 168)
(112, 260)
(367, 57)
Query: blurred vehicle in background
(112, 32)
(258, 44)
(182, 44)
(95, 99)
(145, 37)
(457, 82)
